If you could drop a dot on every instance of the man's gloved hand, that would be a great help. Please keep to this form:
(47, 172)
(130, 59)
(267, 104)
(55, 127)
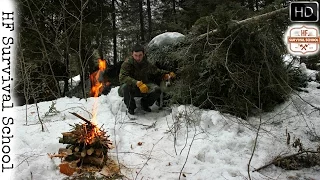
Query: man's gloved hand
(170, 75)
(143, 87)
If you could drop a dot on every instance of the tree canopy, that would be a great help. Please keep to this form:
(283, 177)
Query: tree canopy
(64, 38)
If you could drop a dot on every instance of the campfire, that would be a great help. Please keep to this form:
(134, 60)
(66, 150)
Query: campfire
(87, 144)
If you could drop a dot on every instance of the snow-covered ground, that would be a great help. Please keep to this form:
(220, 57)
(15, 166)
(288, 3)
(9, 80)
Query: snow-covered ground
(290, 61)
(203, 144)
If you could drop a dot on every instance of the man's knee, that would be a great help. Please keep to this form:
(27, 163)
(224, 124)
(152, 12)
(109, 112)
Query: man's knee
(154, 89)
(157, 90)
(123, 89)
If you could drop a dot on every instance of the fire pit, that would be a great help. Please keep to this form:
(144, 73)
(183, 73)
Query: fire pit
(88, 146)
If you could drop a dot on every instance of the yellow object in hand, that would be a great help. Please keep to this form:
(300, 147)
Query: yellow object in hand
(143, 87)
(170, 75)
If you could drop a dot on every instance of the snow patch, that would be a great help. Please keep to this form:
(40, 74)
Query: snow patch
(166, 38)
(212, 145)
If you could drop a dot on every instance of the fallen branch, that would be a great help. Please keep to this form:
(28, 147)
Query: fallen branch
(146, 125)
(258, 130)
(185, 162)
(282, 158)
(315, 107)
(245, 21)
(149, 157)
(62, 155)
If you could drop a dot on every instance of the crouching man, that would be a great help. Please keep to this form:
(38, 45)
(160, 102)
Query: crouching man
(136, 80)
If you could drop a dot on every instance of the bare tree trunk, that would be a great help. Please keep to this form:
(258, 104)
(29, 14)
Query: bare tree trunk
(251, 5)
(100, 39)
(114, 33)
(45, 53)
(79, 54)
(25, 78)
(149, 20)
(82, 62)
(242, 2)
(67, 72)
(174, 11)
(42, 126)
(257, 4)
(141, 21)
(66, 56)
(100, 48)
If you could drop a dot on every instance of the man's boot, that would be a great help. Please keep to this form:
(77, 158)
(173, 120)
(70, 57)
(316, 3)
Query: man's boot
(145, 106)
(131, 111)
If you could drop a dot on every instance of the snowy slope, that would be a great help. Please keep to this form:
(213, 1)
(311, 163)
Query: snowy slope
(205, 143)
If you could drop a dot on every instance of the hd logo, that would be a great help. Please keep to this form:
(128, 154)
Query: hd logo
(304, 11)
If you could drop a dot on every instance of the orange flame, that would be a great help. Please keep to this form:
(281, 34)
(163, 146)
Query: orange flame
(96, 89)
(102, 64)
(90, 136)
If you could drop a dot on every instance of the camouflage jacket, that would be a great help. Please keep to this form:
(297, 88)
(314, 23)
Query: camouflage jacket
(132, 71)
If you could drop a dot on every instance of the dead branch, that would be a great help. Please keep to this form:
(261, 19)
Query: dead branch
(149, 157)
(282, 158)
(146, 125)
(258, 130)
(89, 113)
(315, 107)
(246, 21)
(62, 155)
(42, 125)
(82, 118)
(185, 162)
(44, 47)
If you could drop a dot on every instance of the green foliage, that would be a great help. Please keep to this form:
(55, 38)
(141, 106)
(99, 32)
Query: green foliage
(222, 14)
(50, 31)
(296, 78)
(238, 70)
(163, 57)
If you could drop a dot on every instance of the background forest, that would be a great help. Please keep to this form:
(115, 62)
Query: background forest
(240, 107)
(59, 39)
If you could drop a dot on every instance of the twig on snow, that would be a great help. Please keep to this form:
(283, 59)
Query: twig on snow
(282, 158)
(149, 157)
(185, 162)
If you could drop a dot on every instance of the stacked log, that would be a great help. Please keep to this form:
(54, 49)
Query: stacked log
(87, 144)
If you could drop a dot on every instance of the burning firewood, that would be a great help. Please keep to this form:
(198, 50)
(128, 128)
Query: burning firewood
(67, 169)
(63, 155)
(90, 151)
(87, 144)
(98, 152)
(82, 118)
(76, 149)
